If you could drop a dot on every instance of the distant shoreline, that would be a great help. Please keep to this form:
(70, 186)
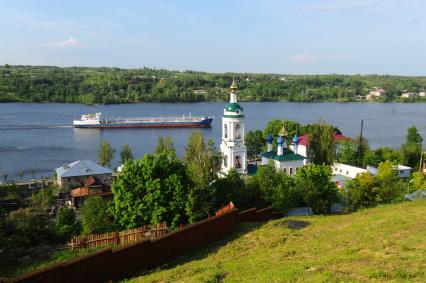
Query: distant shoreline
(90, 85)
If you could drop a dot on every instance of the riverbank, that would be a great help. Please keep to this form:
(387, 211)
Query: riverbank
(113, 85)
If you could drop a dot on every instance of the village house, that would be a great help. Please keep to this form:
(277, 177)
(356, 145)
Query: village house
(343, 172)
(75, 174)
(422, 94)
(91, 187)
(409, 95)
(375, 92)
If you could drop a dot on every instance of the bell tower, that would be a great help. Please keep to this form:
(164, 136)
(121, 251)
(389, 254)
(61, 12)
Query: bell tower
(233, 149)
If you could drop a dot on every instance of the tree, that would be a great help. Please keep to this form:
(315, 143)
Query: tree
(29, 229)
(126, 154)
(44, 198)
(413, 136)
(390, 185)
(370, 158)
(106, 154)
(66, 225)
(417, 182)
(275, 126)
(255, 142)
(363, 191)
(94, 216)
(347, 153)
(203, 167)
(322, 147)
(153, 189)
(233, 188)
(276, 187)
(316, 188)
(387, 153)
(412, 149)
(165, 146)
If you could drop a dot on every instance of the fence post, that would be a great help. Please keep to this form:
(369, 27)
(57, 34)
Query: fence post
(117, 238)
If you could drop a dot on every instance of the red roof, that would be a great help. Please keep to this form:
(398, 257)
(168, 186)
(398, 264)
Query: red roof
(80, 192)
(303, 140)
(84, 192)
(228, 207)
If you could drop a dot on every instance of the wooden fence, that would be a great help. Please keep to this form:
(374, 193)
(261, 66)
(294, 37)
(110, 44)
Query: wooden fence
(116, 264)
(121, 238)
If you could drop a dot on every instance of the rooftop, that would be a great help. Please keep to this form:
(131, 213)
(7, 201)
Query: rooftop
(288, 155)
(304, 140)
(81, 168)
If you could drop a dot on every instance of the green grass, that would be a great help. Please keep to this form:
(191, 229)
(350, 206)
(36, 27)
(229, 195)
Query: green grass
(386, 243)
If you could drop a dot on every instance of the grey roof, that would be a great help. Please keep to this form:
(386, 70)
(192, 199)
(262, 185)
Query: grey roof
(81, 168)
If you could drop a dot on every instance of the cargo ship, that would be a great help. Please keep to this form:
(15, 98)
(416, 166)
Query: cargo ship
(95, 120)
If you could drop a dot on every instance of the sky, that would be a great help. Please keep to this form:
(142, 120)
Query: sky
(282, 36)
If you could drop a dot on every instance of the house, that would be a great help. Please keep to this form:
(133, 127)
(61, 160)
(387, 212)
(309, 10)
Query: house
(422, 94)
(375, 92)
(346, 170)
(92, 187)
(409, 95)
(75, 174)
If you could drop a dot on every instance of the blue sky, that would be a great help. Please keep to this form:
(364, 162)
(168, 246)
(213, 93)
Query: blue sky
(296, 37)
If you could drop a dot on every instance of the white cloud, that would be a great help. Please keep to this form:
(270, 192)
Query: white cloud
(303, 57)
(70, 42)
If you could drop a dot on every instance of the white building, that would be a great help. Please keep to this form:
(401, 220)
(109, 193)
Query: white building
(233, 149)
(422, 94)
(346, 170)
(409, 95)
(375, 92)
(284, 158)
(401, 170)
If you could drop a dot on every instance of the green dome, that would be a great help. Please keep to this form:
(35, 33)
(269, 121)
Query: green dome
(233, 107)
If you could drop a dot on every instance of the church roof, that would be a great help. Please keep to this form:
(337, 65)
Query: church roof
(233, 107)
(233, 85)
(288, 155)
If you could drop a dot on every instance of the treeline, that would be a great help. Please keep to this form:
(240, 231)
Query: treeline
(114, 85)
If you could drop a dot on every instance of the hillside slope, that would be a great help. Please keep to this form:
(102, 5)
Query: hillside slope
(379, 244)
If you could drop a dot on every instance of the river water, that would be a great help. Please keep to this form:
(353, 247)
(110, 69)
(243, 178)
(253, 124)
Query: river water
(37, 138)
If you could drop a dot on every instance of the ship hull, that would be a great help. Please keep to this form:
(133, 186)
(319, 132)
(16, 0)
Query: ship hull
(203, 123)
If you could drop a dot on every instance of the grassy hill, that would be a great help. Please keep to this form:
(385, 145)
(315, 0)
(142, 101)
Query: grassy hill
(387, 243)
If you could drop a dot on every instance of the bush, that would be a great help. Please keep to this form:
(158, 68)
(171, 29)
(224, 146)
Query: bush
(363, 191)
(313, 183)
(66, 225)
(94, 216)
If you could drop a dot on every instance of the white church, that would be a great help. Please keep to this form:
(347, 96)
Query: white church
(234, 151)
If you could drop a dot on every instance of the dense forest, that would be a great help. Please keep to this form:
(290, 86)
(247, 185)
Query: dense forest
(114, 85)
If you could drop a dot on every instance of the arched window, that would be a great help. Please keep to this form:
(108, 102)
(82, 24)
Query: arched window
(237, 131)
(237, 162)
(225, 130)
(225, 161)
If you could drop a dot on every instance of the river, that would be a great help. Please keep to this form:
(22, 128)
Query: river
(37, 138)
